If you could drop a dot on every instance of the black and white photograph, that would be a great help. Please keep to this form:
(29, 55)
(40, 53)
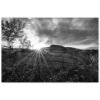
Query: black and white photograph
(49, 49)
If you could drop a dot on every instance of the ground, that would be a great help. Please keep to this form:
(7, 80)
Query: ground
(50, 65)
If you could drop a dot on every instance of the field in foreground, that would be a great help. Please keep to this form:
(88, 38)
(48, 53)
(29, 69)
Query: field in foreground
(52, 64)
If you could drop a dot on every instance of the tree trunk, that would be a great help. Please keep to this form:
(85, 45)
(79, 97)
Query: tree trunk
(10, 47)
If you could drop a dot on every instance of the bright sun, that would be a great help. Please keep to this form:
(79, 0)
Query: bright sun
(36, 43)
(39, 46)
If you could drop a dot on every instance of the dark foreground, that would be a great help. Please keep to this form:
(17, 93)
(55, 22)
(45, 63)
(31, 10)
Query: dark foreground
(53, 64)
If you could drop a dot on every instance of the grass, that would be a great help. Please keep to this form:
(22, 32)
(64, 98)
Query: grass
(33, 66)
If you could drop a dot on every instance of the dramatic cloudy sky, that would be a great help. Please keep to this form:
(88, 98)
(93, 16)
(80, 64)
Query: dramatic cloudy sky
(74, 32)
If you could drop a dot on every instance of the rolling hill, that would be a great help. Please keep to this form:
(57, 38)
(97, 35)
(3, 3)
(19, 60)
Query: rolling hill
(52, 64)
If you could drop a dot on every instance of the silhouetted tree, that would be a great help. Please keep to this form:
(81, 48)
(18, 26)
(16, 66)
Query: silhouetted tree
(11, 29)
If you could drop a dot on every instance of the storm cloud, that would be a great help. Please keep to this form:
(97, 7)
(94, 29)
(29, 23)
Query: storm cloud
(66, 31)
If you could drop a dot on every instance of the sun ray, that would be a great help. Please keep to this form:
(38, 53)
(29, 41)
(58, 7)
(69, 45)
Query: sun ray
(30, 59)
(40, 65)
(39, 58)
(44, 59)
(35, 59)
(45, 63)
(21, 61)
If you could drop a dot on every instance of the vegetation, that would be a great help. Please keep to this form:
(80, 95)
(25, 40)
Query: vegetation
(72, 65)
(11, 30)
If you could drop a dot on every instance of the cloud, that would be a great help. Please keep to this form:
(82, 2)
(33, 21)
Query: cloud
(63, 31)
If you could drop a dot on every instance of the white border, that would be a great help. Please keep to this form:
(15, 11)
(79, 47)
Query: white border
(49, 8)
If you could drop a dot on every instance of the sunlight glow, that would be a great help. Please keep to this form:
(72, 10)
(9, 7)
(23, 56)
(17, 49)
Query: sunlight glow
(37, 43)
